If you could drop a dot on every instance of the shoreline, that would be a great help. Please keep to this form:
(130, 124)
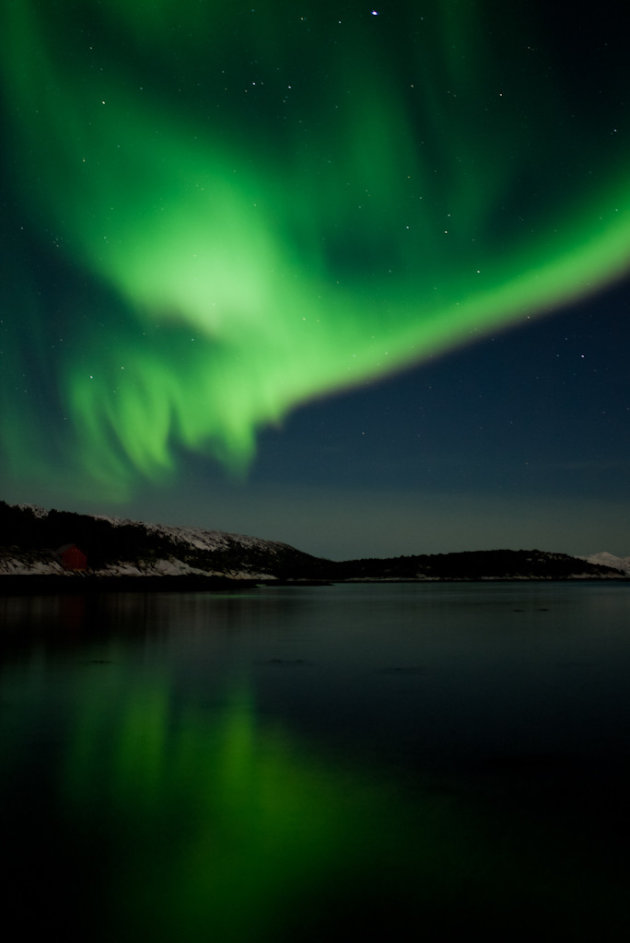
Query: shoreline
(41, 585)
(78, 584)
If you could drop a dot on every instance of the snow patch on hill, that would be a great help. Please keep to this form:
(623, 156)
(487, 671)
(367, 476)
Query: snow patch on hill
(25, 566)
(609, 559)
(197, 538)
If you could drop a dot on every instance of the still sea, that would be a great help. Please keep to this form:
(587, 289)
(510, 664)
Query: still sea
(399, 761)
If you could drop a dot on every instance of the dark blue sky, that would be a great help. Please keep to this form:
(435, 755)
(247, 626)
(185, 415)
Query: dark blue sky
(520, 438)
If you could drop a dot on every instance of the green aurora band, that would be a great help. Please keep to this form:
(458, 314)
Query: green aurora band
(220, 213)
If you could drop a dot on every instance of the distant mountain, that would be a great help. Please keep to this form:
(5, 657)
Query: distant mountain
(609, 559)
(35, 542)
(479, 565)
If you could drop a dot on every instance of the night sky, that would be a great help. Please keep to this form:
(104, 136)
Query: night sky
(355, 278)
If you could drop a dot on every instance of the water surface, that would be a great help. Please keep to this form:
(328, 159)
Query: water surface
(290, 763)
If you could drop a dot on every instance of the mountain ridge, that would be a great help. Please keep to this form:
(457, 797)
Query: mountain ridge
(609, 559)
(117, 549)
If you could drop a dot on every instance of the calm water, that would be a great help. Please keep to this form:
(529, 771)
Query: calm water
(300, 763)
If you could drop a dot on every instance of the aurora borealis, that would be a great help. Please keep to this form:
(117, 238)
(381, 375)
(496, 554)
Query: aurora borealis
(216, 214)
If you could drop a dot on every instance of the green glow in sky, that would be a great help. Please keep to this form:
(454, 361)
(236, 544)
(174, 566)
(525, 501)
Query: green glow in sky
(259, 207)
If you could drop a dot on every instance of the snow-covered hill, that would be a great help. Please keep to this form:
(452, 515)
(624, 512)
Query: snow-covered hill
(609, 559)
(30, 537)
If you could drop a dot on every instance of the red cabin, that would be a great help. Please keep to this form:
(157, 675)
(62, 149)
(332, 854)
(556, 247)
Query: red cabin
(71, 558)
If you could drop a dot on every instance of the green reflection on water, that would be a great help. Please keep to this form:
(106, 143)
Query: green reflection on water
(222, 826)
(132, 809)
